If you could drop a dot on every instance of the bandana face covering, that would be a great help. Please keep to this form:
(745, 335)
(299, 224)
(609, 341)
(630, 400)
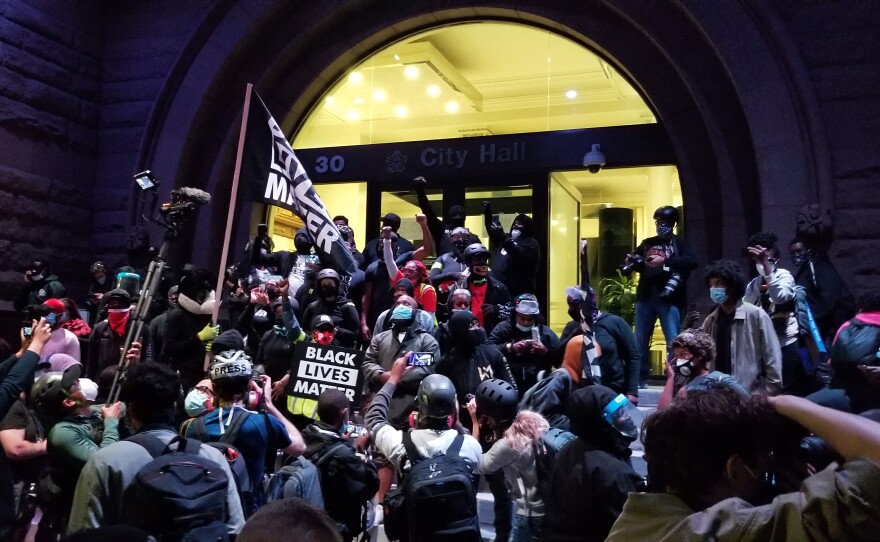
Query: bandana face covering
(118, 318)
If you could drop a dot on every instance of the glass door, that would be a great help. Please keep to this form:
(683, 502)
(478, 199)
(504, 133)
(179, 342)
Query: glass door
(563, 254)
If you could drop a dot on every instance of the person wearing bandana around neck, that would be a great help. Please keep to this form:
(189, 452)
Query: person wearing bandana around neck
(108, 336)
(688, 368)
(656, 260)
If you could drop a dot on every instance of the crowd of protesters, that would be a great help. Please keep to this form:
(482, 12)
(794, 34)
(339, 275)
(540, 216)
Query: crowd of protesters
(763, 431)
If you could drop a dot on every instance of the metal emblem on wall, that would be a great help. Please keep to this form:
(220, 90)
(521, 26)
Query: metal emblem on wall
(396, 162)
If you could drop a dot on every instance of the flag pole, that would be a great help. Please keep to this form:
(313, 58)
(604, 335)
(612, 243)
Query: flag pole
(232, 202)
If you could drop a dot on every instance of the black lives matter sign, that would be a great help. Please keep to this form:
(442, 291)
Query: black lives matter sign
(317, 368)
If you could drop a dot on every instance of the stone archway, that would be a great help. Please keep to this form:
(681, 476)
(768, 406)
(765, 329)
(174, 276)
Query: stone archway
(733, 142)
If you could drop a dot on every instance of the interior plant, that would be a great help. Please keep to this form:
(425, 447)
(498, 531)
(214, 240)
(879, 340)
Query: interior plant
(618, 296)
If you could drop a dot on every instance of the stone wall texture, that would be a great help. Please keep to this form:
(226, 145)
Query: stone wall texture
(86, 86)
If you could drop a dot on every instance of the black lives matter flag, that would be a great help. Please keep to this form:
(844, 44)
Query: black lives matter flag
(271, 173)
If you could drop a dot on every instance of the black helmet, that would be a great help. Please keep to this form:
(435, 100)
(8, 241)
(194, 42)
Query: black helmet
(436, 397)
(497, 399)
(327, 274)
(46, 392)
(667, 213)
(474, 250)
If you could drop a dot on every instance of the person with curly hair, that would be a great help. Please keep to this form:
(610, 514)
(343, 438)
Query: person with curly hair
(746, 344)
(688, 367)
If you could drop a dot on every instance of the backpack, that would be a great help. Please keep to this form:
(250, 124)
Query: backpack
(856, 344)
(178, 495)
(298, 478)
(437, 500)
(234, 459)
(546, 450)
(337, 487)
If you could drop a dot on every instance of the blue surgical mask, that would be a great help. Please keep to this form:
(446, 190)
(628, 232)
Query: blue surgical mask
(718, 295)
(524, 328)
(50, 319)
(402, 312)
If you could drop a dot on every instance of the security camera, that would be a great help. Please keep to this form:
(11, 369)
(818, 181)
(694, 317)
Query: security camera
(594, 160)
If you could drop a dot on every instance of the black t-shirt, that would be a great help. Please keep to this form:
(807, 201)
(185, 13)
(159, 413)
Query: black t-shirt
(723, 323)
(19, 417)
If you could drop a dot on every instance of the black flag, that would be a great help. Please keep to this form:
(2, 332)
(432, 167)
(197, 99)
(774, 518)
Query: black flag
(271, 173)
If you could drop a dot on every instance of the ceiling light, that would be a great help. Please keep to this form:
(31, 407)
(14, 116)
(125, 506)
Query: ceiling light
(571, 94)
(329, 101)
(401, 111)
(451, 107)
(411, 72)
(352, 115)
(356, 78)
(397, 58)
(433, 91)
(380, 95)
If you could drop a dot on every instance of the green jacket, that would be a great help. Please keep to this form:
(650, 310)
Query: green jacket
(837, 504)
(73, 441)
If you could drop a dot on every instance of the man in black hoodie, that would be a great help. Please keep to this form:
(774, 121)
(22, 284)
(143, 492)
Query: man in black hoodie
(339, 308)
(595, 466)
(348, 480)
(471, 360)
(516, 255)
(441, 231)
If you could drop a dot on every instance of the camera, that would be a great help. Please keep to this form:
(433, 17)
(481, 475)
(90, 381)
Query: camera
(420, 359)
(594, 160)
(635, 261)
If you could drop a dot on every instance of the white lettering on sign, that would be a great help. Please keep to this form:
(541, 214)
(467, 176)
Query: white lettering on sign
(301, 387)
(342, 358)
(443, 156)
(327, 373)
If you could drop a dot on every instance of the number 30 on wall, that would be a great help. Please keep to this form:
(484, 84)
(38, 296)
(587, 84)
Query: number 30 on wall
(335, 164)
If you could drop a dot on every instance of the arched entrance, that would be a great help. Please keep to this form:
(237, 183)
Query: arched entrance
(684, 58)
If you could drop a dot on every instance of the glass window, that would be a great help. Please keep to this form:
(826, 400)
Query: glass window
(562, 248)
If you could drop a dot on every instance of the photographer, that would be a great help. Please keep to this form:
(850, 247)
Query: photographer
(245, 417)
(16, 375)
(709, 468)
(658, 294)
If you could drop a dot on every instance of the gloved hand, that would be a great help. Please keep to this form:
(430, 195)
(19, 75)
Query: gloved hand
(209, 333)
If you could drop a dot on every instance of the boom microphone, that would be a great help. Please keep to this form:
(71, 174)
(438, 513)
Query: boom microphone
(194, 195)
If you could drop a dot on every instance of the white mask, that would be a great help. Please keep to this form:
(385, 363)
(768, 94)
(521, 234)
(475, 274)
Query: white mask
(514, 234)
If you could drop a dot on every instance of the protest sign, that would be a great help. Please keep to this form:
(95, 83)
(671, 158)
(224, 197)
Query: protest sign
(318, 367)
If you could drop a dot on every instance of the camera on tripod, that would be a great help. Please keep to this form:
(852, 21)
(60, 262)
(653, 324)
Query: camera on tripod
(632, 262)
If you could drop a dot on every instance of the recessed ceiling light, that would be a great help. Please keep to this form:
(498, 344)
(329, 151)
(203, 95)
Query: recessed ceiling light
(433, 91)
(329, 101)
(571, 94)
(401, 111)
(411, 72)
(356, 77)
(380, 95)
(352, 115)
(451, 107)
(397, 57)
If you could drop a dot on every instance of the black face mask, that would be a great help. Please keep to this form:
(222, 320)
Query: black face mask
(477, 336)
(460, 245)
(327, 291)
(302, 245)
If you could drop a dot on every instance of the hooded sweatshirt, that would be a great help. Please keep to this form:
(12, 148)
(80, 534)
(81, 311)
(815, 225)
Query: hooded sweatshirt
(471, 360)
(515, 262)
(595, 467)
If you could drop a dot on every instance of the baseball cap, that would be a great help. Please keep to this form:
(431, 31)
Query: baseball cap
(55, 305)
(322, 320)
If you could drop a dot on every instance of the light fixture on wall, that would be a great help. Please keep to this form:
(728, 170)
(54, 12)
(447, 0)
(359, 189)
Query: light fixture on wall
(594, 160)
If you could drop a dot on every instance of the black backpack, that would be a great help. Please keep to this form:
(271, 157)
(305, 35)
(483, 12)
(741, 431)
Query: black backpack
(553, 441)
(856, 344)
(437, 500)
(234, 459)
(179, 495)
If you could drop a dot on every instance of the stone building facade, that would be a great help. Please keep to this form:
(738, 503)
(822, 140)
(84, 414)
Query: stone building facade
(769, 105)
